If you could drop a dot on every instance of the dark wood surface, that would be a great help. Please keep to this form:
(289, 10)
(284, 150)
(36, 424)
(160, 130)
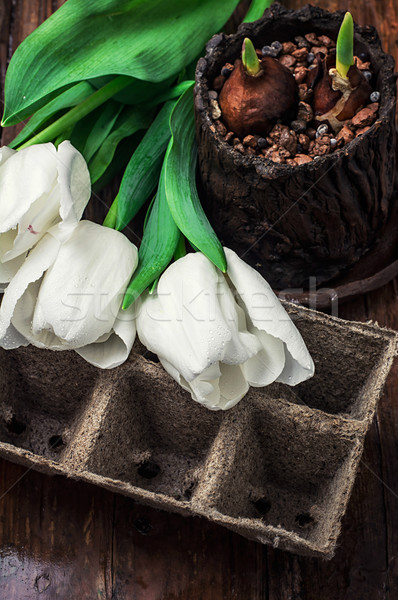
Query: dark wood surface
(61, 540)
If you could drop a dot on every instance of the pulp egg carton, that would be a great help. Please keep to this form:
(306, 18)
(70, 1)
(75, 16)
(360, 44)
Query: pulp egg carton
(277, 468)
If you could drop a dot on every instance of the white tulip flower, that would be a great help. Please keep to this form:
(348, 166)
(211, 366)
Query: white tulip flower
(67, 295)
(218, 335)
(40, 187)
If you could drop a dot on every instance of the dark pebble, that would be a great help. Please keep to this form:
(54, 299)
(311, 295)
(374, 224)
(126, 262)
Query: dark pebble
(298, 126)
(374, 96)
(367, 75)
(364, 56)
(262, 142)
(322, 129)
(310, 57)
(269, 51)
(214, 41)
(277, 46)
(226, 71)
(299, 149)
(302, 42)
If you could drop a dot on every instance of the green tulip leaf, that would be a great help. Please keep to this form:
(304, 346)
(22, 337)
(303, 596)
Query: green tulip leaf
(101, 128)
(78, 112)
(150, 40)
(139, 91)
(132, 119)
(180, 185)
(119, 162)
(71, 97)
(157, 248)
(142, 173)
(256, 10)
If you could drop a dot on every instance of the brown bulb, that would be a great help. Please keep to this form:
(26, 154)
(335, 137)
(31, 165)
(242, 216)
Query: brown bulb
(252, 104)
(325, 97)
(337, 99)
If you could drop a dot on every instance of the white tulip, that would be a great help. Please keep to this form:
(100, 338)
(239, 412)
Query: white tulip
(68, 292)
(217, 335)
(40, 187)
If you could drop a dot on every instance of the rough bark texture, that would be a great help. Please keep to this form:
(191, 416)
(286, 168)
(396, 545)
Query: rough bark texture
(315, 219)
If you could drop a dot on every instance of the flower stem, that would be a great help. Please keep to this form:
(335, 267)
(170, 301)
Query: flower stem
(180, 250)
(110, 219)
(78, 112)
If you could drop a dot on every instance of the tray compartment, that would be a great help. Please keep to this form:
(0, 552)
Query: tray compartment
(361, 354)
(152, 435)
(277, 468)
(287, 475)
(42, 397)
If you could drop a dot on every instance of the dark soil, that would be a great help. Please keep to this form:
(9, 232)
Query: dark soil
(304, 138)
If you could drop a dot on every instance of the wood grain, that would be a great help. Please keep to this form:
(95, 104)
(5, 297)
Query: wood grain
(60, 539)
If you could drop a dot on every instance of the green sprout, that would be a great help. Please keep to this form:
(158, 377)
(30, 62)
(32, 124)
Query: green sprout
(345, 46)
(250, 59)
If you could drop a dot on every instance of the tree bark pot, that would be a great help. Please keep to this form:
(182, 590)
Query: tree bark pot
(311, 220)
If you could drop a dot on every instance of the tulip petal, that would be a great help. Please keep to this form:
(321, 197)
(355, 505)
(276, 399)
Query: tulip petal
(13, 339)
(114, 350)
(18, 300)
(243, 345)
(5, 154)
(24, 177)
(187, 309)
(267, 365)
(10, 267)
(268, 315)
(74, 183)
(233, 386)
(35, 223)
(81, 292)
(219, 387)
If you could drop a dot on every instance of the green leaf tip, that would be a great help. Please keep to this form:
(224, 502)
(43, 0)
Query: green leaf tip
(345, 46)
(250, 59)
(256, 10)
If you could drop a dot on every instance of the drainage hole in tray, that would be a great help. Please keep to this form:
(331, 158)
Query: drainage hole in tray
(15, 426)
(304, 520)
(263, 506)
(56, 443)
(148, 469)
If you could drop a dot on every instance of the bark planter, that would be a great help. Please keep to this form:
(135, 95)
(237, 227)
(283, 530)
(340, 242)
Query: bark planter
(315, 219)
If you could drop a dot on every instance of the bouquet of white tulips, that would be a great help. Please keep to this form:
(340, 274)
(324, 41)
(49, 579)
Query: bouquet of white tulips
(70, 284)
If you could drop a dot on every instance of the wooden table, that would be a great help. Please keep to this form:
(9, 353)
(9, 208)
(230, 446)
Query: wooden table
(61, 540)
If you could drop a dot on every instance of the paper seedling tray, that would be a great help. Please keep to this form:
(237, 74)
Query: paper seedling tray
(278, 468)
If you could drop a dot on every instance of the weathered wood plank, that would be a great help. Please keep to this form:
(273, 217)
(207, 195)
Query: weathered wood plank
(56, 537)
(61, 539)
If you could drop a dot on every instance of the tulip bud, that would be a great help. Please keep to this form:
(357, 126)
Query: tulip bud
(68, 292)
(40, 187)
(229, 332)
(257, 94)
